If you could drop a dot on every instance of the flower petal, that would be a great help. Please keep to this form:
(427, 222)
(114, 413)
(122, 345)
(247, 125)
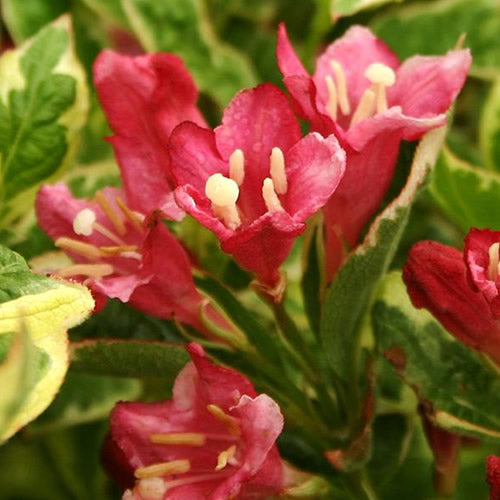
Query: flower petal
(427, 85)
(144, 98)
(314, 168)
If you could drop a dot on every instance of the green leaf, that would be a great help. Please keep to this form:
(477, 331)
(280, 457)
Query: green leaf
(462, 393)
(185, 28)
(128, 358)
(350, 294)
(43, 106)
(489, 132)
(84, 398)
(36, 311)
(24, 19)
(342, 8)
(470, 196)
(434, 28)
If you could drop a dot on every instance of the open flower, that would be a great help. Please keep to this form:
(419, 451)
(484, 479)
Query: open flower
(436, 279)
(253, 181)
(213, 440)
(144, 98)
(120, 253)
(362, 93)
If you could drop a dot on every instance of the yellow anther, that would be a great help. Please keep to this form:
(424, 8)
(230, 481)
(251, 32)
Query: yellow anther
(110, 212)
(79, 247)
(340, 78)
(95, 271)
(132, 216)
(225, 457)
(381, 76)
(163, 469)
(332, 103)
(237, 166)
(117, 250)
(366, 107)
(271, 199)
(179, 438)
(493, 267)
(83, 223)
(230, 422)
(152, 488)
(278, 174)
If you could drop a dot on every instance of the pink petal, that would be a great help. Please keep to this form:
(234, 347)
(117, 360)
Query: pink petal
(355, 51)
(288, 61)
(255, 121)
(194, 156)
(314, 168)
(493, 476)
(120, 287)
(426, 86)
(144, 98)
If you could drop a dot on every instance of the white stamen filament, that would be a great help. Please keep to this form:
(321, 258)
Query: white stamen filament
(134, 217)
(343, 97)
(278, 174)
(332, 103)
(223, 193)
(366, 107)
(152, 488)
(79, 247)
(96, 271)
(271, 199)
(230, 422)
(381, 76)
(163, 469)
(237, 166)
(179, 438)
(225, 457)
(111, 214)
(83, 223)
(493, 267)
(213, 476)
(109, 234)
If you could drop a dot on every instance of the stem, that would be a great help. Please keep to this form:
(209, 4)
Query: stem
(359, 485)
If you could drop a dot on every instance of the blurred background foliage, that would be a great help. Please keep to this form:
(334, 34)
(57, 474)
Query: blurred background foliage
(229, 45)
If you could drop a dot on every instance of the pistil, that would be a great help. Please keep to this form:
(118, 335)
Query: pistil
(163, 469)
(493, 267)
(340, 78)
(223, 193)
(381, 76)
(237, 166)
(365, 108)
(271, 199)
(85, 223)
(277, 170)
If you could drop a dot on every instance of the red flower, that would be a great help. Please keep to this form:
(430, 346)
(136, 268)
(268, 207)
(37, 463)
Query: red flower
(213, 440)
(119, 253)
(493, 476)
(144, 98)
(362, 94)
(253, 181)
(436, 279)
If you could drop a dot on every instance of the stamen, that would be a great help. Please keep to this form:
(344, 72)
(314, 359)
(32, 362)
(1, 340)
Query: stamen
(96, 271)
(366, 107)
(278, 174)
(152, 488)
(132, 216)
(381, 76)
(223, 193)
(332, 104)
(344, 104)
(83, 223)
(196, 479)
(163, 469)
(79, 247)
(106, 232)
(271, 199)
(179, 438)
(118, 250)
(493, 267)
(110, 213)
(230, 422)
(225, 457)
(237, 166)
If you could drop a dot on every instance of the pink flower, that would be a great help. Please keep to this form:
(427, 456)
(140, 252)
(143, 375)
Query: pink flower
(362, 94)
(120, 253)
(493, 476)
(253, 181)
(436, 279)
(213, 440)
(144, 98)
(481, 255)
